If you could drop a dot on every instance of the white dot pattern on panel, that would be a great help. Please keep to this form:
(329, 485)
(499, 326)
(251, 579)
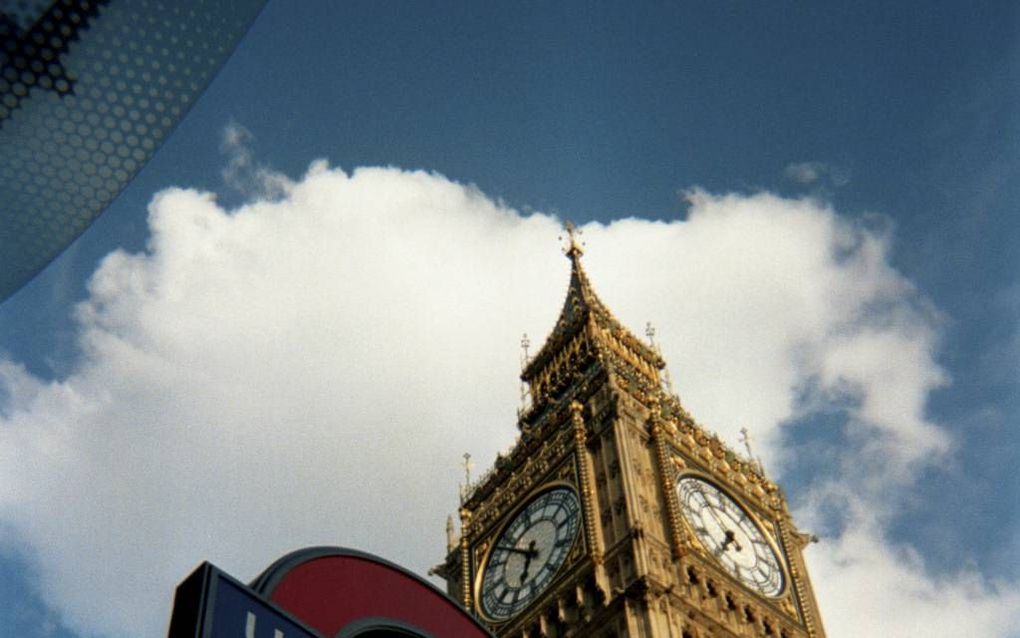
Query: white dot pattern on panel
(89, 89)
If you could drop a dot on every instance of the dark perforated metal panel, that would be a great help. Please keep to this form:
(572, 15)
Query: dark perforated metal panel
(89, 89)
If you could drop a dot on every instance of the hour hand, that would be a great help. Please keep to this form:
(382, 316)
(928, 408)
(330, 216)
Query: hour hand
(527, 561)
(731, 538)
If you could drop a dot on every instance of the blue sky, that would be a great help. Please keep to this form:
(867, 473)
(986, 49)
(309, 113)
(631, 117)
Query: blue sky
(899, 125)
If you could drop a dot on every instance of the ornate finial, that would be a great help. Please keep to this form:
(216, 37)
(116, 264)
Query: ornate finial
(451, 536)
(650, 333)
(745, 438)
(466, 487)
(467, 468)
(525, 391)
(574, 246)
(804, 538)
(667, 381)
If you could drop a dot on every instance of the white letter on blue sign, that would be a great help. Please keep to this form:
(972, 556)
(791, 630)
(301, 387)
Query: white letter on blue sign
(249, 628)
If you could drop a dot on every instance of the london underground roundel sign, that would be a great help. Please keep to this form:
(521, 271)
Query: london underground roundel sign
(343, 593)
(320, 592)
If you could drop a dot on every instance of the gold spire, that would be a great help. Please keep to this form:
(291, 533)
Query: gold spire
(583, 311)
(573, 249)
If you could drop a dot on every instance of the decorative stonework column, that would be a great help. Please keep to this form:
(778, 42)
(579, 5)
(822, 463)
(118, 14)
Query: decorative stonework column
(465, 558)
(584, 478)
(667, 479)
(793, 564)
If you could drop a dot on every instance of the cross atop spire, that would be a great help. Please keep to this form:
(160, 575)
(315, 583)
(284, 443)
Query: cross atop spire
(574, 247)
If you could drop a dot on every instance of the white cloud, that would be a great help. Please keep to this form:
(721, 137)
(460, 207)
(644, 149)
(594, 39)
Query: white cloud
(308, 370)
(866, 587)
(242, 172)
(808, 173)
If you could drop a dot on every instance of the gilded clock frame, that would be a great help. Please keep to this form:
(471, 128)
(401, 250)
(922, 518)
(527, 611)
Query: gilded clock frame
(766, 527)
(509, 518)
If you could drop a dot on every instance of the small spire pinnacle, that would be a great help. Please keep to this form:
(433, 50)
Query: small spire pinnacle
(574, 247)
(745, 438)
(451, 536)
(466, 487)
(667, 381)
(467, 468)
(525, 343)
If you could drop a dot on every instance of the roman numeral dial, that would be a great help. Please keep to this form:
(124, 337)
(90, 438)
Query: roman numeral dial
(730, 535)
(528, 553)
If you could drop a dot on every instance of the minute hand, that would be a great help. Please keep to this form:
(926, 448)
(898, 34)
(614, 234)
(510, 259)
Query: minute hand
(530, 552)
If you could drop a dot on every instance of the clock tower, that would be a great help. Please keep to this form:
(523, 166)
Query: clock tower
(616, 514)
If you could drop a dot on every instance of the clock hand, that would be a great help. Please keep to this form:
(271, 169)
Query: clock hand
(720, 549)
(731, 538)
(530, 552)
(713, 514)
(722, 526)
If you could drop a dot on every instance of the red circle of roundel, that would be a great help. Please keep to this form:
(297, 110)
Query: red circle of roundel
(336, 590)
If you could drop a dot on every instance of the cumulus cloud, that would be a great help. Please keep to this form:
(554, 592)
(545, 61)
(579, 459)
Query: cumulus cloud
(866, 587)
(307, 369)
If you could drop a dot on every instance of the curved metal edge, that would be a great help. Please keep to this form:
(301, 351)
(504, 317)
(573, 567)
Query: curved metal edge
(266, 582)
(381, 623)
(6, 292)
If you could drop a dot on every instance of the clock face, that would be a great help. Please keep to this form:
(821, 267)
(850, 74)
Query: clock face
(528, 553)
(727, 531)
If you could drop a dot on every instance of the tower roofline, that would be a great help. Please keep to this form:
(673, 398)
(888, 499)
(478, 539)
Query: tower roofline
(581, 308)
